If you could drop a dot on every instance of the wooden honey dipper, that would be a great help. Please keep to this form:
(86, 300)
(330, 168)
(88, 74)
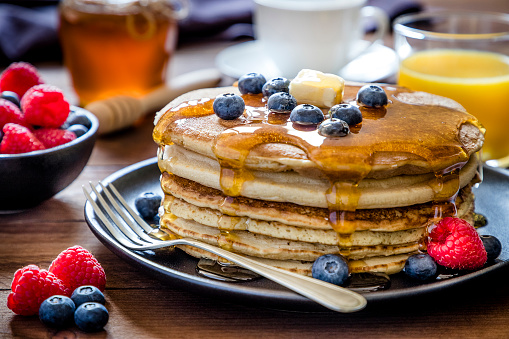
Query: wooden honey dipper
(122, 111)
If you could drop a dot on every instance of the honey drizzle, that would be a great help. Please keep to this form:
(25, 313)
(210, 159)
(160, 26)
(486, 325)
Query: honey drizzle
(428, 132)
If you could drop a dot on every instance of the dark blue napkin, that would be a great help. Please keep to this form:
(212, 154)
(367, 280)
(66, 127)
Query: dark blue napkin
(29, 29)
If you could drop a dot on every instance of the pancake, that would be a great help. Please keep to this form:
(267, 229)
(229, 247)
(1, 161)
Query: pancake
(285, 194)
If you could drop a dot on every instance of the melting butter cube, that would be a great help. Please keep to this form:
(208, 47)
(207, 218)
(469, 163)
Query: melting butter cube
(317, 88)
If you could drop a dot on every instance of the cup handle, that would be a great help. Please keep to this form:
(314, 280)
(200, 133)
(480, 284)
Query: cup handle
(382, 26)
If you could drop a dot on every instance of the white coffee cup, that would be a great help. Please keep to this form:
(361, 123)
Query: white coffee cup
(323, 35)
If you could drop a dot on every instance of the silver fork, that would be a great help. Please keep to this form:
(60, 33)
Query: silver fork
(132, 232)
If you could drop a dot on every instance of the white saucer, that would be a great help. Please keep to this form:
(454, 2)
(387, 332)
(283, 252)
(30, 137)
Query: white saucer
(376, 64)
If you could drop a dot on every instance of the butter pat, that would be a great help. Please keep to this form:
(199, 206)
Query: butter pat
(317, 88)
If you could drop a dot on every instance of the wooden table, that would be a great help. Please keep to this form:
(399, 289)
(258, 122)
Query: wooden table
(143, 307)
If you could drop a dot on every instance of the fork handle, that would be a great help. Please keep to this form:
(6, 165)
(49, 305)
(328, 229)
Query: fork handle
(333, 297)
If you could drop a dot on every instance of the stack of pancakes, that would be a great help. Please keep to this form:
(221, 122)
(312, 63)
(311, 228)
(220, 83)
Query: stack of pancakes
(266, 188)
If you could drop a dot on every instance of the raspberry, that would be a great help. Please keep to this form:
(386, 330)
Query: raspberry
(454, 243)
(30, 287)
(9, 112)
(76, 267)
(51, 137)
(18, 139)
(19, 77)
(45, 105)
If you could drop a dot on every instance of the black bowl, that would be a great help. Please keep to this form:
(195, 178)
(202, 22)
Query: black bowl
(28, 179)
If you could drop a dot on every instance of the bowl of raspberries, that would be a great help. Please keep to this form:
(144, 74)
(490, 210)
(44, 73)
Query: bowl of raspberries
(44, 141)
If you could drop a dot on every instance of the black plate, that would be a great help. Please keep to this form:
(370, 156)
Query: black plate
(178, 269)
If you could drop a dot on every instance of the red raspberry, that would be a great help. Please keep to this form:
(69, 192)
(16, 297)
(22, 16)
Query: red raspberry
(51, 137)
(18, 139)
(9, 112)
(454, 243)
(19, 77)
(30, 287)
(76, 267)
(45, 105)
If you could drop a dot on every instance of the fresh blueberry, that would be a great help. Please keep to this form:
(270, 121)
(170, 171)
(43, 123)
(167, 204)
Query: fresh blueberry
(87, 293)
(492, 245)
(251, 83)
(11, 96)
(57, 311)
(307, 115)
(333, 128)
(330, 268)
(79, 119)
(91, 317)
(147, 204)
(281, 102)
(78, 129)
(372, 96)
(346, 112)
(421, 267)
(276, 85)
(229, 106)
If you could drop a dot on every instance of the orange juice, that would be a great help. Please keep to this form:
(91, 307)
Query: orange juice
(116, 50)
(479, 81)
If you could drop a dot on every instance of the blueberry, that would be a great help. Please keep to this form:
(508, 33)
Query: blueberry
(11, 96)
(492, 245)
(91, 317)
(229, 106)
(79, 119)
(57, 311)
(78, 129)
(281, 102)
(307, 115)
(87, 293)
(276, 85)
(147, 204)
(346, 112)
(330, 268)
(372, 96)
(334, 128)
(421, 267)
(251, 83)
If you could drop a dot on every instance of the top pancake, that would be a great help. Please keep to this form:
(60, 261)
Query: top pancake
(415, 133)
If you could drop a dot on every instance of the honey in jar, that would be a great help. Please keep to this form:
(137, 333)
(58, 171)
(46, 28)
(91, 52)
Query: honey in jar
(118, 47)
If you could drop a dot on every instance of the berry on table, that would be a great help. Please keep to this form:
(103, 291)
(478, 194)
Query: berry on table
(147, 204)
(91, 317)
(251, 83)
(281, 102)
(330, 268)
(276, 85)
(492, 245)
(30, 287)
(333, 128)
(18, 139)
(372, 96)
(76, 267)
(18, 77)
(45, 105)
(306, 114)
(346, 112)
(421, 267)
(454, 243)
(57, 311)
(52, 137)
(87, 293)
(228, 106)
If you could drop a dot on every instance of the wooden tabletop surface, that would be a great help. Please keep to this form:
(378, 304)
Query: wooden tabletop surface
(141, 306)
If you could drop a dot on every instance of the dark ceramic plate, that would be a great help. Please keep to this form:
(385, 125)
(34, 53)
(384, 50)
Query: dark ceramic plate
(178, 269)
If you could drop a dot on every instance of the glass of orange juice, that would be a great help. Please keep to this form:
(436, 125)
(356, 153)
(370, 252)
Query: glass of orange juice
(463, 56)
